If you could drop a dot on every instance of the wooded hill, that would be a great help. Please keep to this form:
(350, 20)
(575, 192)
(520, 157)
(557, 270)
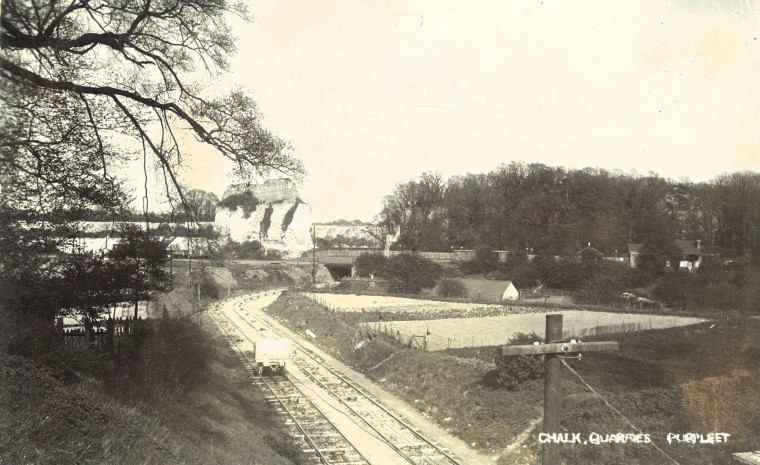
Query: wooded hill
(556, 211)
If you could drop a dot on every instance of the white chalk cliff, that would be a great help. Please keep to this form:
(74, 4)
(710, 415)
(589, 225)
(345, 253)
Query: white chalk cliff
(284, 232)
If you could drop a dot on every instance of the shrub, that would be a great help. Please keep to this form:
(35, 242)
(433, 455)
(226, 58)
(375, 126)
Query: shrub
(410, 273)
(451, 288)
(175, 355)
(513, 371)
(370, 264)
(404, 287)
(604, 287)
(208, 288)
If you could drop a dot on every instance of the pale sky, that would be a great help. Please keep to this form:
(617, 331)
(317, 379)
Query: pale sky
(374, 93)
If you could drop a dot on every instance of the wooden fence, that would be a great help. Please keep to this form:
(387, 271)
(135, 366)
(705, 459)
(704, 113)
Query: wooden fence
(107, 336)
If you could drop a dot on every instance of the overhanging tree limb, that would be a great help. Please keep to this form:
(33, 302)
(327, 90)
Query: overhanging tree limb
(37, 80)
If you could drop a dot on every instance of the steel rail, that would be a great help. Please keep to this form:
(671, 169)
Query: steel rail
(282, 403)
(406, 428)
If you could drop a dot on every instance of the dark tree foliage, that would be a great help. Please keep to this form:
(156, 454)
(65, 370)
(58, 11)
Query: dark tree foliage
(605, 286)
(90, 286)
(368, 264)
(208, 288)
(202, 204)
(655, 257)
(557, 212)
(514, 371)
(245, 200)
(420, 206)
(29, 277)
(341, 241)
(141, 258)
(519, 270)
(409, 273)
(448, 287)
(718, 288)
(246, 250)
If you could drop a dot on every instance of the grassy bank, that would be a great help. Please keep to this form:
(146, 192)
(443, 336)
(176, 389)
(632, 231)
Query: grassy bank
(182, 396)
(703, 378)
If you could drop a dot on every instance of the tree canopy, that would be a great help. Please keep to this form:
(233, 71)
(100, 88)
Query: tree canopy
(80, 77)
(557, 211)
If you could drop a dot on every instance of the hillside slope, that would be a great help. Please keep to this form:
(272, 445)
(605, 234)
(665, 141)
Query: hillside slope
(87, 408)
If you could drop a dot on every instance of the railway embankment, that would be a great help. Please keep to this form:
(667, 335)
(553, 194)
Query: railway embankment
(181, 397)
(702, 377)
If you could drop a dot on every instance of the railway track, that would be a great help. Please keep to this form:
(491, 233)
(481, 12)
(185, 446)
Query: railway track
(320, 440)
(408, 443)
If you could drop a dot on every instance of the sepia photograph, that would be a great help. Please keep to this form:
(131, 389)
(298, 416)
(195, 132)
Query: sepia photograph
(375, 232)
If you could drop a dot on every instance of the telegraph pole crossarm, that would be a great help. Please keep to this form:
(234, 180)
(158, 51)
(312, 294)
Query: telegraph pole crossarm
(561, 348)
(553, 352)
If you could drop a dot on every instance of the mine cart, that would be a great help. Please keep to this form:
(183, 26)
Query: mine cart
(272, 353)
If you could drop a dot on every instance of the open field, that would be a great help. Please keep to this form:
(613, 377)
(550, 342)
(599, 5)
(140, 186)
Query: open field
(496, 330)
(358, 303)
(464, 324)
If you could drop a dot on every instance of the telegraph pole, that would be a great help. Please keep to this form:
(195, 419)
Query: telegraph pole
(313, 253)
(554, 350)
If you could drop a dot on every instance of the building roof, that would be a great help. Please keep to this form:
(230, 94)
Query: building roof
(488, 290)
(634, 248)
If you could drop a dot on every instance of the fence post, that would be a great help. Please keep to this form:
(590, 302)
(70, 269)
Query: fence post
(109, 335)
(59, 327)
(87, 330)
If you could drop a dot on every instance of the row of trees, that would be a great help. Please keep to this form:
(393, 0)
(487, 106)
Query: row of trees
(557, 211)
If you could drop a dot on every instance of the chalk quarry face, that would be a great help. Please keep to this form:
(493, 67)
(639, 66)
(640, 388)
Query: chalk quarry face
(281, 221)
(270, 223)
